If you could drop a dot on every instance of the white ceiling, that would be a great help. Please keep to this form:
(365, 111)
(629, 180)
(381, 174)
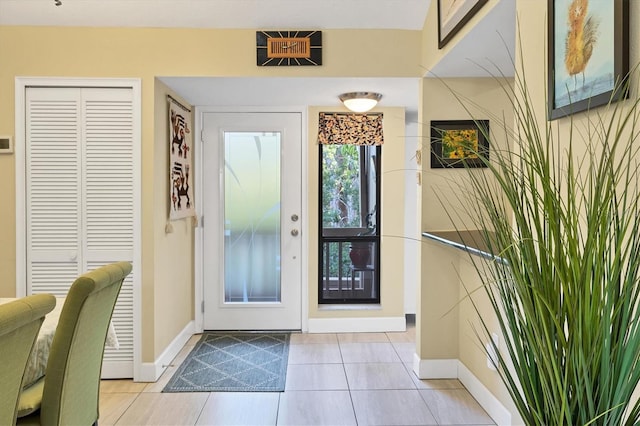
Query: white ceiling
(263, 14)
(483, 45)
(291, 91)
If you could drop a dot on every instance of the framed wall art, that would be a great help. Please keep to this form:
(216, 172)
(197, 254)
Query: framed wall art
(180, 170)
(453, 15)
(288, 48)
(459, 143)
(588, 48)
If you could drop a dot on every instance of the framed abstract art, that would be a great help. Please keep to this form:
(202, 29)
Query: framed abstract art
(588, 48)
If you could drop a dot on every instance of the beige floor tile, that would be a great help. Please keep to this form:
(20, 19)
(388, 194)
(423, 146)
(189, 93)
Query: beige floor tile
(316, 408)
(316, 377)
(164, 409)
(405, 351)
(379, 374)
(322, 353)
(391, 407)
(442, 384)
(409, 335)
(305, 338)
(121, 386)
(182, 355)
(368, 352)
(194, 339)
(162, 381)
(240, 408)
(371, 376)
(362, 338)
(169, 372)
(113, 405)
(401, 337)
(455, 407)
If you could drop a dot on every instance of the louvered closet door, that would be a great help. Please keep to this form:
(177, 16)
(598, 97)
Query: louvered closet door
(53, 189)
(80, 196)
(107, 200)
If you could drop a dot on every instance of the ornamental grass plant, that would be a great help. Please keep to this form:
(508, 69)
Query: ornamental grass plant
(560, 211)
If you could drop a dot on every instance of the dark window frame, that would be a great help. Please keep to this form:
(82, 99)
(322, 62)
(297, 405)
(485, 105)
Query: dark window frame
(337, 236)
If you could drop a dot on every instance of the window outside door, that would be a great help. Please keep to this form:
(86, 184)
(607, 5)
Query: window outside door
(349, 262)
(251, 240)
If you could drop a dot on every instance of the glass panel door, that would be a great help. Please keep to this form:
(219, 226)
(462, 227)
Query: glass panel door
(251, 239)
(252, 217)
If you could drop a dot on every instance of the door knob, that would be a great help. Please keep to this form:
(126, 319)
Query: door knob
(294, 232)
(294, 217)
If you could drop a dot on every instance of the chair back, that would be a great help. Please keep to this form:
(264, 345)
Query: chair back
(72, 379)
(20, 321)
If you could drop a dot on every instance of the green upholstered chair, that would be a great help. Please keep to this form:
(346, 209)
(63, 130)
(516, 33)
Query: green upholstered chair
(69, 393)
(20, 321)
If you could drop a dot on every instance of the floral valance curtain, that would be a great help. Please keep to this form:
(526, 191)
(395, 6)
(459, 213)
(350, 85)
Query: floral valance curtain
(350, 129)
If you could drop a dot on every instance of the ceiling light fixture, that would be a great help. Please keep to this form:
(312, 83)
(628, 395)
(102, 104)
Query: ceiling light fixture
(360, 101)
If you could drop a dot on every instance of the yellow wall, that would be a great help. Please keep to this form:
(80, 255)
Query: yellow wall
(472, 352)
(443, 193)
(440, 103)
(174, 247)
(146, 53)
(439, 294)
(430, 54)
(392, 214)
(447, 273)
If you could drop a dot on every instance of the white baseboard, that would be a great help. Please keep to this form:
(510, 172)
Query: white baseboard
(435, 368)
(151, 371)
(357, 325)
(485, 398)
(454, 369)
(116, 369)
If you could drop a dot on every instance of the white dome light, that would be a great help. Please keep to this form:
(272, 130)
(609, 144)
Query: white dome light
(360, 101)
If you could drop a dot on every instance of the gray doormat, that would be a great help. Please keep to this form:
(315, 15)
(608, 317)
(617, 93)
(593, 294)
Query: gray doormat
(234, 362)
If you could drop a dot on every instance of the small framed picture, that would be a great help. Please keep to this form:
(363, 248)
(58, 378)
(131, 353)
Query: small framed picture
(6, 145)
(459, 143)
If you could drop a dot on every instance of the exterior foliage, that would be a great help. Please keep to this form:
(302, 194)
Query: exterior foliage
(340, 186)
(340, 198)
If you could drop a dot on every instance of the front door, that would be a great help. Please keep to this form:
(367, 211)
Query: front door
(252, 187)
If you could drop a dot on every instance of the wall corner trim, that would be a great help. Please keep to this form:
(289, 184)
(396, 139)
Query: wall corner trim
(151, 371)
(435, 368)
(485, 398)
(455, 369)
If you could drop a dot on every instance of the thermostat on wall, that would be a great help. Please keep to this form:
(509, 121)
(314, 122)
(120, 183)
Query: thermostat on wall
(6, 145)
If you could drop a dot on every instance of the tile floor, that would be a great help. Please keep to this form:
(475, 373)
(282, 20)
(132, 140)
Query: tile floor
(332, 379)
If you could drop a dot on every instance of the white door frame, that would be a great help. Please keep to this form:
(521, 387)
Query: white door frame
(199, 281)
(135, 84)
